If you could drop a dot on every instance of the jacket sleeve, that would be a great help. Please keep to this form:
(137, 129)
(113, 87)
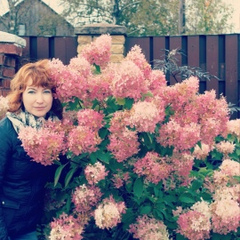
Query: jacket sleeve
(5, 152)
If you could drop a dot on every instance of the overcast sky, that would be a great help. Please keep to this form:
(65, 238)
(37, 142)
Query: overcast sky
(54, 4)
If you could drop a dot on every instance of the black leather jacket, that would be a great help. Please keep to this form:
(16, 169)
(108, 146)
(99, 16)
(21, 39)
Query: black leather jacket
(21, 185)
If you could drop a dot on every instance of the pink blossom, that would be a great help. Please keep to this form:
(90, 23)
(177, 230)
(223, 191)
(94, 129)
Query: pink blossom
(123, 145)
(225, 147)
(68, 82)
(225, 216)
(99, 51)
(109, 213)
(82, 139)
(135, 55)
(95, 173)
(181, 93)
(66, 228)
(194, 225)
(90, 118)
(153, 167)
(48, 142)
(145, 115)
(128, 81)
(86, 197)
(180, 137)
(81, 66)
(120, 178)
(3, 106)
(233, 127)
(99, 87)
(202, 152)
(157, 82)
(147, 228)
(119, 122)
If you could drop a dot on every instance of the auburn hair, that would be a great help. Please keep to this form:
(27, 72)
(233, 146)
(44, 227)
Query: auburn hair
(39, 74)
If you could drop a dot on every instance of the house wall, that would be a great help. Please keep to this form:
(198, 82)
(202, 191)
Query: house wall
(39, 20)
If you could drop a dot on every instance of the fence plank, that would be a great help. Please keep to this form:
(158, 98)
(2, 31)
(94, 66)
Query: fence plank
(212, 62)
(159, 48)
(42, 48)
(176, 43)
(231, 44)
(144, 44)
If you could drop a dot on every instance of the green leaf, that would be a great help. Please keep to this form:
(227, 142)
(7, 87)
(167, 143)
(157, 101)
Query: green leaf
(146, 209)
(103, 156)
(216, 236)
(58, 173)
(186, 198)
(180, 237)
(138, 187)
(128, 103)
(70, 175)
(120, 101)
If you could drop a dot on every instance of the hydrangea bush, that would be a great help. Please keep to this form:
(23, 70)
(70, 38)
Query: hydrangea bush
(136, 158)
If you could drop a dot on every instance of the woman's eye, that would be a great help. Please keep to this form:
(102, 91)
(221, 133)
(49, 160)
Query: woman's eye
(31, 91)
(47, 91)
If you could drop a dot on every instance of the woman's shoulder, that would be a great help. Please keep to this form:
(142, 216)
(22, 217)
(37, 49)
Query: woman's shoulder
(6, 125)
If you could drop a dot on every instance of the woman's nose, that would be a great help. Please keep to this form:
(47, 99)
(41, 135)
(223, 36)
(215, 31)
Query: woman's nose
(39, 98)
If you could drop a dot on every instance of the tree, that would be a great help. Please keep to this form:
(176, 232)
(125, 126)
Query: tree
(151, 17)
(207, 17)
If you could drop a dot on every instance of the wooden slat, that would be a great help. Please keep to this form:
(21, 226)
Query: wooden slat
(159, 47)
(71, 48)
(176, 43)
(143, 42)
(60, 49)
(42, 48)
(212, 62)
(193, 51)
(231, 45)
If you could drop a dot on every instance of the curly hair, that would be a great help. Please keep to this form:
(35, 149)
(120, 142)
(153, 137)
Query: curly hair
(39, 73)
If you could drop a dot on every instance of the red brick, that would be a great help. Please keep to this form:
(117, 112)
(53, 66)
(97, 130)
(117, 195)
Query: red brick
(4, 92)
(10, 49)
(10, 61)
(8, 72)
(6, 83)
(2, 57)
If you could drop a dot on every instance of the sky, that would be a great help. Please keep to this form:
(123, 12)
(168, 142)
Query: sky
(55, 5)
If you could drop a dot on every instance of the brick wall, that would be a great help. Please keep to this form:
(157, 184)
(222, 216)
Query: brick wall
(88, 33)
(11, 47)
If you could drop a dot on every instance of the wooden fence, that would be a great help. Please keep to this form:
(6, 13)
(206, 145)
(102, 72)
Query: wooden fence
(219, 55)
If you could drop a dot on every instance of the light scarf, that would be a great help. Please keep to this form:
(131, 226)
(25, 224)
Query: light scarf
(24, 119)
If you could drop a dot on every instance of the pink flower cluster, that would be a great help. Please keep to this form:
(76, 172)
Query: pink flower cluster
(182, 137)
(95, 173)
(3, 106)
(66, 228)
(153, 167)
(90, 118)
(194, 225)
(233, 127)
(123, 145)
(136, 55)
(86, 197)
(49, 142)
(98, 52)
(145, 115)
(109, 213)
(84, 137)
(147, 228)
(69, 83)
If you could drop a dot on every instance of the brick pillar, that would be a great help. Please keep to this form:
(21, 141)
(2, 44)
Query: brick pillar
(11, 47)
(87, 34)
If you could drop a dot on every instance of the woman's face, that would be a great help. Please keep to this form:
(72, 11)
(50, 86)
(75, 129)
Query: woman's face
(37, 100)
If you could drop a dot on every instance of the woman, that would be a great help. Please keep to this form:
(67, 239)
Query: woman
(22, 181)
